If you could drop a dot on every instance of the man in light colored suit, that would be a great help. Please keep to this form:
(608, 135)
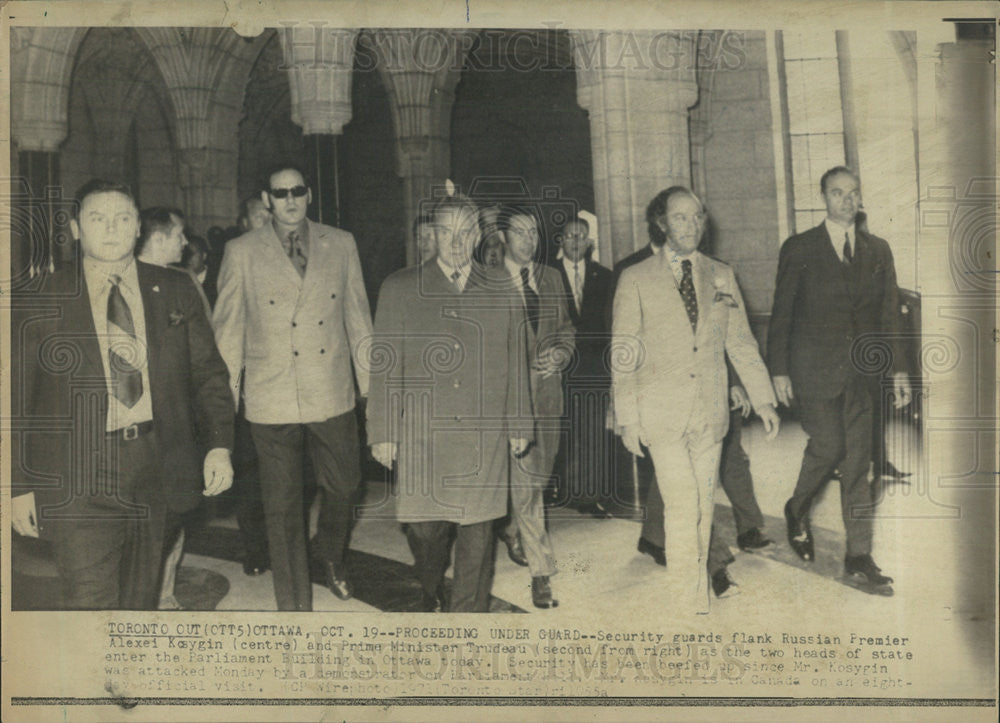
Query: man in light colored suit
(291, 312)
(676, 317)
(549, 335)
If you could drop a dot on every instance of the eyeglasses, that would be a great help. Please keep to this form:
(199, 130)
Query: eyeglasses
(296, 191)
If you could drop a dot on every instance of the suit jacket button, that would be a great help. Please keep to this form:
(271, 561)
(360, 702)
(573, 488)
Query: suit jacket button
(271, 302)
(693, 376)
(696, 349)
(294, 325)
(333, 296)
(321, 322)
(322, 351)
(296, 354)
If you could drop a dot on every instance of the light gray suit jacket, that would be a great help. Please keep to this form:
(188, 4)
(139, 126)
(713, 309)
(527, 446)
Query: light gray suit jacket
(295, 337)
(668, 378)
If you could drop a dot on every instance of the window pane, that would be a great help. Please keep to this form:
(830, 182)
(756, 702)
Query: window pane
(814, 97)
(818, 44)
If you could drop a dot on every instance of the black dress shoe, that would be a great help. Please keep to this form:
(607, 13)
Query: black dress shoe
(753, 539)
(435, 603)
(514, 550)
(254, 566)
(889, 471)
(338, 585)
(862, 572)
(723, 585)
(541, 593)
(799, 535)
(654, 551)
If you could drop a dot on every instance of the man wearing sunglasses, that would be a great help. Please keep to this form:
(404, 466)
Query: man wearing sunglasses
(290, 315)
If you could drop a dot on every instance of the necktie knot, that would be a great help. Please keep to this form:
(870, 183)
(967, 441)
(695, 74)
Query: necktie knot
(293, 247)
(115, 279)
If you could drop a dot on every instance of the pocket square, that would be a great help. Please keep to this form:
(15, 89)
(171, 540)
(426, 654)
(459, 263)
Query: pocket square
(727, 299)
(176, 317)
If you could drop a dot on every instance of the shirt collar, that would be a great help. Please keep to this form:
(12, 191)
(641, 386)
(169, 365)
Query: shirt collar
(463, 273)
(302, 229)
(515, 269)
(97, 273)
(836, 231)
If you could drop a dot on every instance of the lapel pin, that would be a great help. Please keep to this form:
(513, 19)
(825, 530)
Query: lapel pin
(156, 288)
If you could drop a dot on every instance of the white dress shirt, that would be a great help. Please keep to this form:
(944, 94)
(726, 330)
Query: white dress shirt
(449, 272)
(576, 272)
(836, 232)
(97, 275)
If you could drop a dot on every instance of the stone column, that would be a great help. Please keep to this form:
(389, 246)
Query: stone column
(205, 71)
(420, 69)
(320, 63)
(41, 64)
(637, 87)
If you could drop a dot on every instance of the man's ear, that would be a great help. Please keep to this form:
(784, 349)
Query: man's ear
(309, 196)
(267, 202)
(74, 229)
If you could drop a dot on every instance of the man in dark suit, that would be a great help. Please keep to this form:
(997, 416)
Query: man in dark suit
(449, 396)
(588, 445)
(835, 297)
(548, 336)
(116, 367)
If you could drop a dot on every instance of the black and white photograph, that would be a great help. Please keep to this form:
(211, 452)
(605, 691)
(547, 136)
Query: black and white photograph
(661, 336)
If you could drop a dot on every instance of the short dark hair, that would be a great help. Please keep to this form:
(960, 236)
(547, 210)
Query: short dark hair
(421, 219)
(658, 206)
(576, 219)
(197, 243)
(836, 171)
(151, 220)
(455, 203)
(509, 212)
(275, 168)
(99, 185)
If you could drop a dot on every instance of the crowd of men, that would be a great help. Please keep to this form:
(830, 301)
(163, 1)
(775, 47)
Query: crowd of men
(487, 374)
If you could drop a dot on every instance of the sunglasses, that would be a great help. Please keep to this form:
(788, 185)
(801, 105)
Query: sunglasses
(296, 191)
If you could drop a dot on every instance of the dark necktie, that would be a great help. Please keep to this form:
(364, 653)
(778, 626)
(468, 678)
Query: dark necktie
(687, 293)
(530, 299)
(577, 291)
(293, 247)
(126, 380)
(848, 256)
(455, 276)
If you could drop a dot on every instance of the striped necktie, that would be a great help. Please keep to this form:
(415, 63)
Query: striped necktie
(126, 379)
(530, 299)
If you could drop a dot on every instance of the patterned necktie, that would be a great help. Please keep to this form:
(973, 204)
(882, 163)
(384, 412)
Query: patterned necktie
(577, 291)
(455, 276)
(687, 293)
(530, 299)
(848, 256)
(293, 247)
(126, 380)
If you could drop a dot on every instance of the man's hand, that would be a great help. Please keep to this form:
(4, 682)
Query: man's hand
(518, 446)
(901, 388)
(769, 415)
(549, 362)
(22, 515)
(218, 472)
(783, 389)
(633, 439)
(738, 399)
(384, 453)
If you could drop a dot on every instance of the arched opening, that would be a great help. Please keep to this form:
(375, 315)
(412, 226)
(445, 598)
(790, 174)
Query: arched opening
(516, 118)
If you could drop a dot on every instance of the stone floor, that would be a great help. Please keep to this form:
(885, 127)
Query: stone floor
(604, 579)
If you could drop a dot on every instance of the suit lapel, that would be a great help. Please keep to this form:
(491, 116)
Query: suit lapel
(153, 299)
(665, 283)
(77, 318)
(704, 289)
(567, 286)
